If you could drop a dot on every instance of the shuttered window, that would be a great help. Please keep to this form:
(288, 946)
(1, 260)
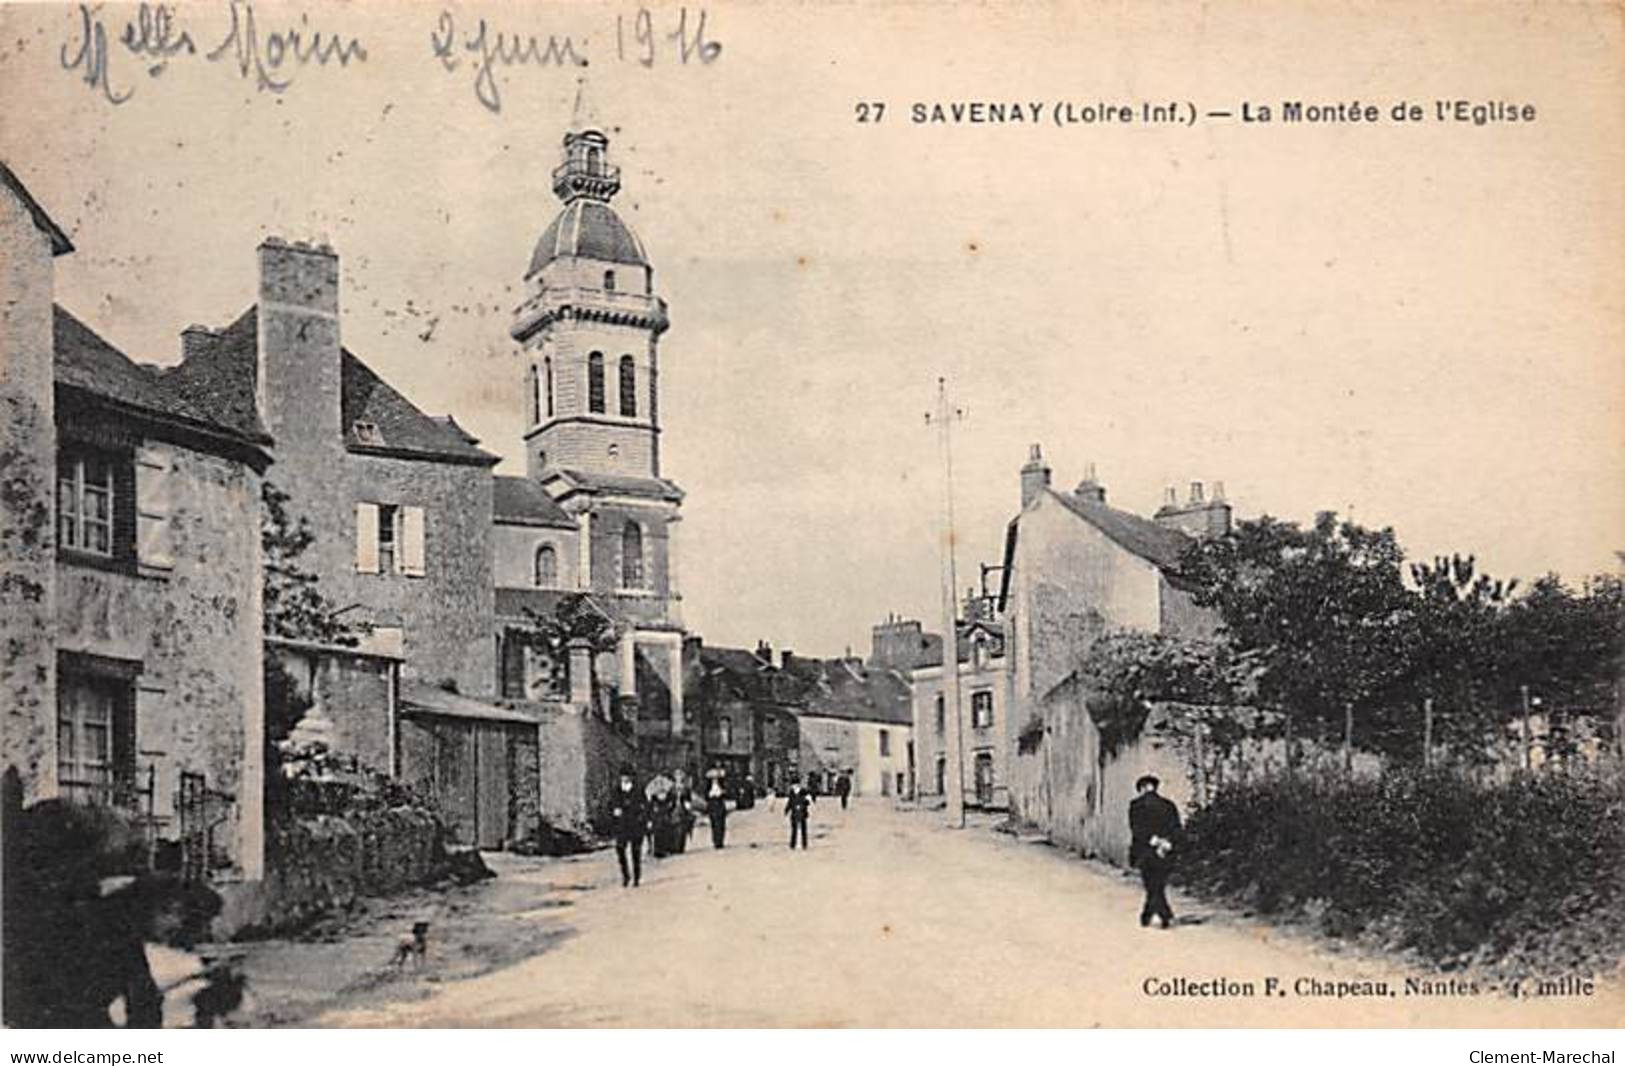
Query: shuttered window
(366, 538)
(154, 465)
(390, 539)
(411, 541)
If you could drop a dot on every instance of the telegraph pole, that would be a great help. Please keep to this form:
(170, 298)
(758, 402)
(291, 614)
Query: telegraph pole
(954, 780)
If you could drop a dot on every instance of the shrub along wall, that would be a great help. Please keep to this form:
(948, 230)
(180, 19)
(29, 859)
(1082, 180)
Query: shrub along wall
(1527, 875)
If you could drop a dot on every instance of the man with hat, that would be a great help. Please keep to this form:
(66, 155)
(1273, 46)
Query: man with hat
(629, 818)
(1154, 829)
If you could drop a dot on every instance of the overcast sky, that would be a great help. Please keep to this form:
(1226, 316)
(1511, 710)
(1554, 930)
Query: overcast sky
(1419, 324)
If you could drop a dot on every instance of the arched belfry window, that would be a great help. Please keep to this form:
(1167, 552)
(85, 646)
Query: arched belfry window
(629, 387)
(595, 382)
(535, 397)
(632, 555)
(547, 567)
(725, 732)
(547, 373)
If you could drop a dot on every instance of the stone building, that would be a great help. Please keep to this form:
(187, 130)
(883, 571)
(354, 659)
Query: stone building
(1075, 567)
(855, 720)
(130, 597)
(745, 709)
(984, 723)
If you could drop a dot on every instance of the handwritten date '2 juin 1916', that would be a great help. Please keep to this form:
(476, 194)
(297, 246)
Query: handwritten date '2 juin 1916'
(272, 56)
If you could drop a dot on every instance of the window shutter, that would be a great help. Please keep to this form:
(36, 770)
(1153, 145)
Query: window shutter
(410, 541)
(153, 483)
(366, 538)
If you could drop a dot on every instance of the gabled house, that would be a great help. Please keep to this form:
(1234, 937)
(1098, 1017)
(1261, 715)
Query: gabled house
(130, 576)
(1074, 568)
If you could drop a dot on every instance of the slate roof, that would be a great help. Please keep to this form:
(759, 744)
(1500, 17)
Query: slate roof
(422, 698)
(85, 361)
(1152, 542)
(654, 488)
(519, 501)
(402, 426)
(223, 374)
(592, 230)
(60, 245)
(835, 688)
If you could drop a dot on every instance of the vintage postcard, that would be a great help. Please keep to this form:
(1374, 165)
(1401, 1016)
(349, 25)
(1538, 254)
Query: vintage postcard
(708, 514)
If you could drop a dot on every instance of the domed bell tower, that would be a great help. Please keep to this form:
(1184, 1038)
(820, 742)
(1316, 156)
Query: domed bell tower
(590, 328)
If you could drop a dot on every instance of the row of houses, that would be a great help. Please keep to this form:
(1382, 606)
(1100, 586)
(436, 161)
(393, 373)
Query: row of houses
(504, 644)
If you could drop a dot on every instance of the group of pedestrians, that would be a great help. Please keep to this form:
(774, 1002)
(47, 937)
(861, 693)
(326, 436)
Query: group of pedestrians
(662, 816)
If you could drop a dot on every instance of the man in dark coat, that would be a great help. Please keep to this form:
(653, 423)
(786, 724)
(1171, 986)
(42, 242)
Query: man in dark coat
(843, 788)
(798, 804)
(630, 819)
(716, 809)
(1154, 833)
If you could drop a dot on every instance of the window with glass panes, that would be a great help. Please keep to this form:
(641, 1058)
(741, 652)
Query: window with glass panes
(84, 503)
(981, 710)
(92, 737)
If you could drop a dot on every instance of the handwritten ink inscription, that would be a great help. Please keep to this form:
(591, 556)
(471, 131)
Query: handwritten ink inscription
(272, 59)
(272, 56)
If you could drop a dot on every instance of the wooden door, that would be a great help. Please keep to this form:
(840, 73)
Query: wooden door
(493, 770)
(456, 777)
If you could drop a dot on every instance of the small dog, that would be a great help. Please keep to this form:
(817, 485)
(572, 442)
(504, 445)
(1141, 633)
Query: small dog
(413, 947)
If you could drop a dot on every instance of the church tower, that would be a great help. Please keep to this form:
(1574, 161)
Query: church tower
(589, 329)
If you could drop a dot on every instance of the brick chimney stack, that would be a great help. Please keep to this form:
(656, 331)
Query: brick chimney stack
(1203, 514)
(195, 340)
(1090, 488)
(1035, 476)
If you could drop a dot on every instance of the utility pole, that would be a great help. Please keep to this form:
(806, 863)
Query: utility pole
(954, 780)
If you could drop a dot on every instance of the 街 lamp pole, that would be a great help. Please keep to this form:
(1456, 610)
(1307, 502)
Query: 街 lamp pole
(954, 781)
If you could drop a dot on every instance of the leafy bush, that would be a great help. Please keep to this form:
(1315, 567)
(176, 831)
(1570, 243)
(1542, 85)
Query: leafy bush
(1456, 871)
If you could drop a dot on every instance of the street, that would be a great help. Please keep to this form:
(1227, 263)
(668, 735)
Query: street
(889, 919)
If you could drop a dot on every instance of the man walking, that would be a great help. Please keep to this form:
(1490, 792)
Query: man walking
(843, 788)
(716, 809)
(630, 819)
(1154, 829)
(797, 805)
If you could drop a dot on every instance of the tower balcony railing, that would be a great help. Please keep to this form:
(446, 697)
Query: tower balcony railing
(599, 171)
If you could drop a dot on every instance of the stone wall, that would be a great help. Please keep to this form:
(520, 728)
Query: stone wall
(326, 863)
(27, 488)
(194, 633)
(581, 756)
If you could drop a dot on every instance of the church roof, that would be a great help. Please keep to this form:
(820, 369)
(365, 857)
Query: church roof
(519, 501)
(589, 229)
(222, 375)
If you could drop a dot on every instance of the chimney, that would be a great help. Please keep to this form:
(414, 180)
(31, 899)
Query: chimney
(784, 659)
(895, 643)
(1202, 515)
(1089, 488)
(1034, 476)
(298, 379)
(764, 652)
(195, 340)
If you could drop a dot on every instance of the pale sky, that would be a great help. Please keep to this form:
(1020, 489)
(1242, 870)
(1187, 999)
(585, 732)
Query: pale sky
(1421, 324)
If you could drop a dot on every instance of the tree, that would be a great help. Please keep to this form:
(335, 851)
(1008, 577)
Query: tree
(575, 617)
(1324, 611)
(294, 607)
(1457, 657)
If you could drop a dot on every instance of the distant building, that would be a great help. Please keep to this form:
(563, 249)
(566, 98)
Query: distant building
(854, 720)
(746, 709)
(984, 721)
(130, 575)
